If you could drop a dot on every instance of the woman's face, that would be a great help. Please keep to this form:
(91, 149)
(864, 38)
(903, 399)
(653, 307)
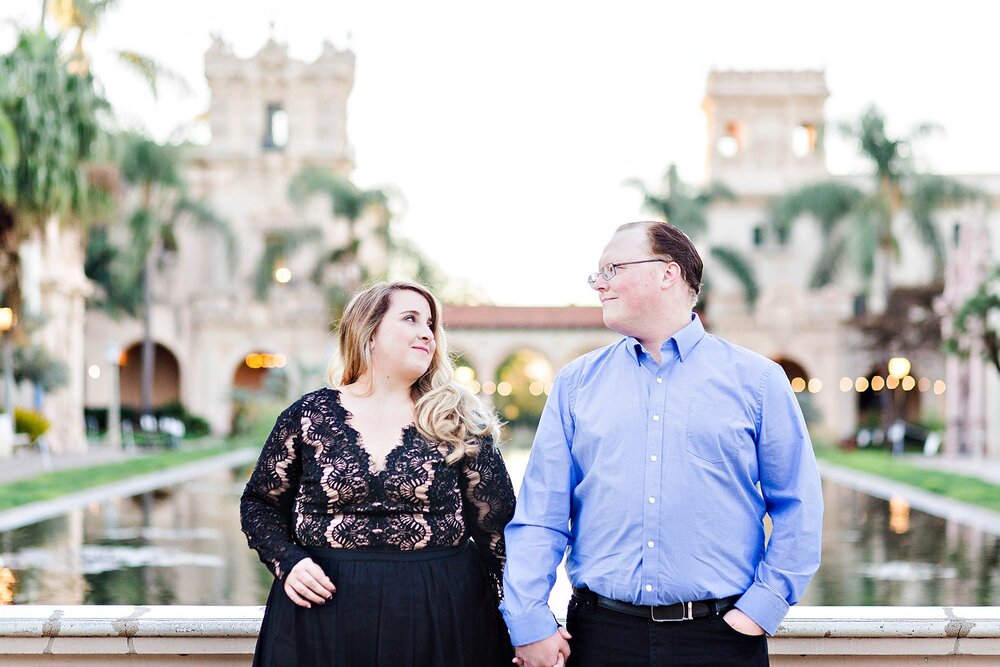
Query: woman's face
(403, 344)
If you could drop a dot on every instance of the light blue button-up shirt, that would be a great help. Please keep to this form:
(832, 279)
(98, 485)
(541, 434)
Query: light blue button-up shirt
(649, 474)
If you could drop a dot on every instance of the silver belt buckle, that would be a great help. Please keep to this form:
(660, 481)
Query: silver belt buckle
(688, 614)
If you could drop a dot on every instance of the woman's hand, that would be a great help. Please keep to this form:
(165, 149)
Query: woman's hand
(307, 583)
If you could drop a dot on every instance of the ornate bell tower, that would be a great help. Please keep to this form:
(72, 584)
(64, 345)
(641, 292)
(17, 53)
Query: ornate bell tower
(765, 129)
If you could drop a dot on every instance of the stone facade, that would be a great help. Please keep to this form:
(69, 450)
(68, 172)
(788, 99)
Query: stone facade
(766, 134)
(54, 290)
(271, 115)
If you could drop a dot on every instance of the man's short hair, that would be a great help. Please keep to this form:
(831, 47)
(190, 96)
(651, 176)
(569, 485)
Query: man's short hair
(667, 241)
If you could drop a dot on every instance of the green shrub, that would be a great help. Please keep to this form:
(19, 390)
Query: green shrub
(30, 422)
(932, 421)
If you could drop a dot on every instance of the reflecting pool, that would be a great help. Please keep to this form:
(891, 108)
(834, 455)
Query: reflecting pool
(183, 545)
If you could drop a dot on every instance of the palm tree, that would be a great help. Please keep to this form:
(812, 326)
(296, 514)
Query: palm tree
(277, 248)
(154, 169)
(119, 290)
(83, 18)
(338, 268)
(686, 209)
(862, 227)
(50, 131)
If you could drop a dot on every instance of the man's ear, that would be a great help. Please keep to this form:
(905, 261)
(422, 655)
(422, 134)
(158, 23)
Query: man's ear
(671, 274)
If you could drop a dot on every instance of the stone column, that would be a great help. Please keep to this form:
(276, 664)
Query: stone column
(965, 379)
(63, 289)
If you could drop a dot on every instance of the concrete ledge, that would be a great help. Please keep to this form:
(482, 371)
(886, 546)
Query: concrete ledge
(46, 509)
(966, 514)
(196, 635)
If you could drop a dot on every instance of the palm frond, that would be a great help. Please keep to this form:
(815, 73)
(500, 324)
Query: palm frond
(202, 216)
(659, 207)
(829, 202)
(716, 191)
(412, 264)
(346, 200)
(153, 72)
(119, 284)
(689, 217)
(829, 261)
(9, 146)
(337, 256)
(864, 237)
(740, 267)
(279, 245)
(678, 204)
(142, 230)
(148, 163)
(637, 184)
(262, 281)
(928, 194)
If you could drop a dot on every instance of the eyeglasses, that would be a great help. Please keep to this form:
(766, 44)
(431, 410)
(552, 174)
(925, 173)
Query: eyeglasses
(610, 270)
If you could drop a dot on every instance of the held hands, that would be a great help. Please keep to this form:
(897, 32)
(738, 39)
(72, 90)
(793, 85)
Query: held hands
(552, 651)
(742, 623)
(307, 583)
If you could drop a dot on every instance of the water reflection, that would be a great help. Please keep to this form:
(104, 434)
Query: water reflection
(184, 546)
(181, 545)
(878, 552)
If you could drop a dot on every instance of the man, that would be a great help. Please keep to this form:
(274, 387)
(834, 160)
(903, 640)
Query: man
(646, 463)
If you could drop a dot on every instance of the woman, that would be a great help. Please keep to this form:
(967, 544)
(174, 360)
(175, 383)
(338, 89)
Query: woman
(364, 499)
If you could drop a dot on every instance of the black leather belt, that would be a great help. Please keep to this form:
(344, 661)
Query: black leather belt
(679, 611)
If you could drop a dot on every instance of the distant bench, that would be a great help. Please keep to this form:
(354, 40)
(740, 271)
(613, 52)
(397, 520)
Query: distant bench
(21, 443)
(163, 432)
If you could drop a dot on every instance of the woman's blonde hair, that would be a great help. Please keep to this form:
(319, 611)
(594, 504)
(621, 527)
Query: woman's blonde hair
(445, 412)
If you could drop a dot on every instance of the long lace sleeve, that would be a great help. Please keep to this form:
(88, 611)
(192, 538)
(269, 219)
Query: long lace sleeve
(267, 503)
(488, 505)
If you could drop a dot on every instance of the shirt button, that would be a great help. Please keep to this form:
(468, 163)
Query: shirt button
(649, 587)
(652, 457)
(650, 544)
(659, 380)
(656, 418)
(652, 500)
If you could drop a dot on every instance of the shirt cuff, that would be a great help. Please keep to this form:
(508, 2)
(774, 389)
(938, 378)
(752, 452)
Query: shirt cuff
(764, 606)
(531, 626)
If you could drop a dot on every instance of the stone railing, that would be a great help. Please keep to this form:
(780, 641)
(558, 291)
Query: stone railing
(216, 636)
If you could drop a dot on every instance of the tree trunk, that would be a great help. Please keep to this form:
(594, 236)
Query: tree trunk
(148, 350)
(10, 271)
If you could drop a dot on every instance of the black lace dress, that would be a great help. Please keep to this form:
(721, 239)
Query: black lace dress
(415, 548)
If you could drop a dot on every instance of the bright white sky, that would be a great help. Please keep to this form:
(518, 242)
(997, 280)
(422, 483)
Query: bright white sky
(510, 127)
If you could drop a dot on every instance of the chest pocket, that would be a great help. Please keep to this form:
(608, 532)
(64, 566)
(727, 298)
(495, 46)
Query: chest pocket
(716, 432)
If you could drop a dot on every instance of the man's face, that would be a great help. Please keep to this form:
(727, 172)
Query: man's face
(635, 290)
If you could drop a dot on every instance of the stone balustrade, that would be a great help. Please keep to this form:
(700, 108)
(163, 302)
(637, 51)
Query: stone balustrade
(84, 635)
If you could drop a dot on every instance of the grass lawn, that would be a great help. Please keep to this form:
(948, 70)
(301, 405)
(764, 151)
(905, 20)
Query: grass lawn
(61, 482)
(878, 462)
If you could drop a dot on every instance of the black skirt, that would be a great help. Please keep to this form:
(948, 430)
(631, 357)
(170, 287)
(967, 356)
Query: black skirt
(400, 608)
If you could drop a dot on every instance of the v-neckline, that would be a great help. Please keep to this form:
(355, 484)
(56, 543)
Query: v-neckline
(359, 440)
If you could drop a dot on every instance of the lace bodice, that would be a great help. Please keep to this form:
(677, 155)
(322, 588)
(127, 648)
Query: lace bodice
(316, 485)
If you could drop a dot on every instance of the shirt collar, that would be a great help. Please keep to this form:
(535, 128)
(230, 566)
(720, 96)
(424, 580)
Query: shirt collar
(683, 341)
